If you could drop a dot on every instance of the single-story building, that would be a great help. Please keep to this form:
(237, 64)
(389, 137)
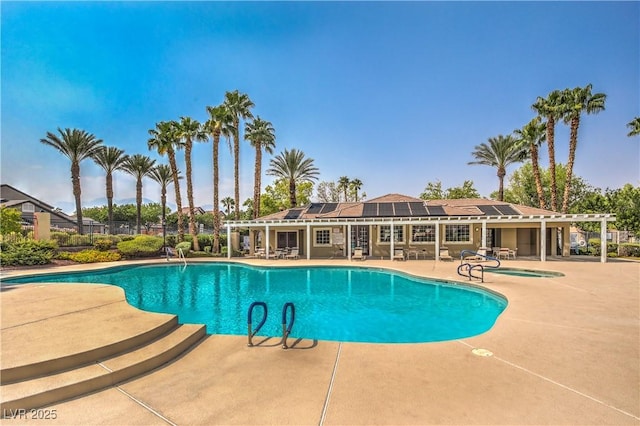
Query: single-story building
(420, 227)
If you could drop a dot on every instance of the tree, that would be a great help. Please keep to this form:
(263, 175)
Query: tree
(219, 119)
(328, 192)
(433, 191)
(138, 166)
(163, 176)
(501, 152)
(239, 106)
(625, 203)
(261, 135)
(576, 102)
(533, 135)
(354, 186)
(110, 159)
(295, 168)
(228, 203)
(277, 198)
(165, 141)
(77, 145)
(189, 130)
(634, 125)
(10, 220)
(552, 109)
(343, 185)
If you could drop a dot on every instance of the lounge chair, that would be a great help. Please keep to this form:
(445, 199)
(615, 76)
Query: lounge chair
(357, 254)
(294, 254)
(398, 254)
(480, 256)
(503, 253)
(444, 254)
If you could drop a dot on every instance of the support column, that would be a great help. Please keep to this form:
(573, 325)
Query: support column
(566, 240)
(543, 241)
(349, 241)
(438, 241)
(392, 246)
(229, 248)
(603, 241)
(266, 239)
(484, 234)
(309, 237)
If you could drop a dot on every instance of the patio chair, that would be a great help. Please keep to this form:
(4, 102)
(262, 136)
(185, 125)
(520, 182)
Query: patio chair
(357, 254)
(294, 254)
(444, 254)
(503, 253)
(480, 256)
(398, 254)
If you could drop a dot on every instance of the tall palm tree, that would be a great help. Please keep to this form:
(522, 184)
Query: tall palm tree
(190, 130)
(533, 135)
(295, 168)
(76, 145)
(138, 166)
(165, 141)
(218, 121)
(576, 102)
(634, 125)
(355, 185)
(228, 203)
(162, 175)
(110, 159)
(239, 106)
(343, 184)
(501, 152)
(261, 135)
(552, 109)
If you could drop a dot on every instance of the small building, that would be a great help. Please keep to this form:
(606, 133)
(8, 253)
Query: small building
(381, 225)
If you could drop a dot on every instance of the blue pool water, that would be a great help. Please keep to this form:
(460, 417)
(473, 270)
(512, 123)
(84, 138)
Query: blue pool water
(332, 303)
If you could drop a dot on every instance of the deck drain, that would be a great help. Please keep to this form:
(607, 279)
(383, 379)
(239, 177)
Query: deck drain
(482, 352)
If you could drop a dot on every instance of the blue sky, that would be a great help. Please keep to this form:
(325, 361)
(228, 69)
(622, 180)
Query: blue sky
(396, 94)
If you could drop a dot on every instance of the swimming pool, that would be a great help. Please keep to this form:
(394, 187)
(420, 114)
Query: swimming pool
(518, 272)
(332, 303)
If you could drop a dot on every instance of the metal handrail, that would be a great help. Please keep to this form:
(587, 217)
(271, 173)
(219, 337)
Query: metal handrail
(287, 329)
(463, 253)
(182, 256)
(470, 269)
(250, 331)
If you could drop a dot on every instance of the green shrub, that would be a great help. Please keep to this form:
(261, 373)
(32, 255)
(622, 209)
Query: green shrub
(141, 246)
(207, 249)
(172, 240)
(62, 255)
(629, 250)
(29, 252)
(199, 254)
(127, 238)
(185, 246)
(102, 244)
(92, 256)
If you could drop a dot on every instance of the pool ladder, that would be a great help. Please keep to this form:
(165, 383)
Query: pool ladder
(288, 307)
(466, 268)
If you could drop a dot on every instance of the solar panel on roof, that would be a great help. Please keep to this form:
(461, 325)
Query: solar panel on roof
(315, 208)
(329, 207)
(436, 211)
(293, 214)
(489, 210)
(370, 210)
(385, 209)
(507, 210)
(418, 209)
(401, 209)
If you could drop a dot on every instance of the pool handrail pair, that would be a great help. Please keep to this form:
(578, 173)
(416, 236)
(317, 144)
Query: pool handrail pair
(286, 327)
(471, 266)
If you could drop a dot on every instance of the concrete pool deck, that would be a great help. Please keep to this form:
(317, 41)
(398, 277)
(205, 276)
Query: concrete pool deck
(565, 351)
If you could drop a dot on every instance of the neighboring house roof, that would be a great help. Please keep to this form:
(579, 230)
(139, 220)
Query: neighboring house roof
(197, 210)
(403, 206)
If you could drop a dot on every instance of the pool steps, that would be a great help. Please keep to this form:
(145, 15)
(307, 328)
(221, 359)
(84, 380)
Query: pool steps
(79, 374)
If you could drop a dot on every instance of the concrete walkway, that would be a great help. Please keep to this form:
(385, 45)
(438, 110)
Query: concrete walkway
(565, 351)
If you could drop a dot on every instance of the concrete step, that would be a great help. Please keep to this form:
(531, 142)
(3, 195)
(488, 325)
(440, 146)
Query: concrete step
(101, 373)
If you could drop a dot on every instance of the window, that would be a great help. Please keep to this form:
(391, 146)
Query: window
(385, 234)
(423, 233)
(457, 233)
(28, 207)
(322, 237)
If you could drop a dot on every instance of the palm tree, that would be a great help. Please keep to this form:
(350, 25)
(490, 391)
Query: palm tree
(343, 185)
(110, 159)
(190, 130)
(138, 166)
(552, 109)
(261, 135)
(292, 166)
(577, 101)
(163, 175)
(228, 203)
(634, 125)
(218, 121)
(355, 185)
(533, 135)
(501, 152)
(77, 145)
(165, 141)
(239, 106)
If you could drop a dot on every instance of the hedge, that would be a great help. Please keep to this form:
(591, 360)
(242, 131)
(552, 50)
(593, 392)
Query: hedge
(28, 252)
(141, 246)
(91, 256)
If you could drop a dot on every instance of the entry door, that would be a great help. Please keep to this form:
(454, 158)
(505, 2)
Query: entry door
(287, 239)
(360, 238)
